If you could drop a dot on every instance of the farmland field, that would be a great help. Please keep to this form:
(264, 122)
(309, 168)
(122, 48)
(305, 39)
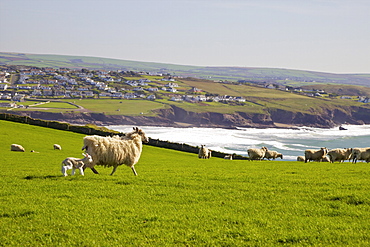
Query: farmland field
(176, 199)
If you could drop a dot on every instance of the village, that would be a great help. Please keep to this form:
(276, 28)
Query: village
(22, 82)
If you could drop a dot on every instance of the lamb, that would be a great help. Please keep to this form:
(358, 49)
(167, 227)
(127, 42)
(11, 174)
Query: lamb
(360, 154)
(75, 163)
(115, 151)
(257, 154)
(300, 158)
(316, 155)
(273, 155)
(57, 147)
(17, 147)
(339, 154)
(204, 153)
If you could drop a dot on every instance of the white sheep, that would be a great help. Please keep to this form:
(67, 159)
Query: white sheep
(273, 155)
(257, 154)
(315, 155)
(339, 154)
(300, 158)
(115, 151)
(75, 163)
(360, 154)
(228, 157)
(204, 153)
(17, 147)
(57, 147)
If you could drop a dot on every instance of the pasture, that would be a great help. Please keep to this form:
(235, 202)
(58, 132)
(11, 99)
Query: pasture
(176, 199)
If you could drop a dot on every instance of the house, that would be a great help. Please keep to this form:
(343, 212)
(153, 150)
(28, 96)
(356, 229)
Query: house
(3, 86)
(117, 95)
(201, 98)
(176, 98)
(18, 97)
(129, 96)
(88, 94)
(36, 92)
(240, 99)
(47, 92)
(196, 90)
(172, 90)
(171, 84)
(5, 96)
(105, 94)
(151, 97)
(10, 104)
(153, 89)
(363, 99)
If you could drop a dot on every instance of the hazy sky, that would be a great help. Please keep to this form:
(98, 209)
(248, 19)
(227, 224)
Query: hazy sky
(319, 35)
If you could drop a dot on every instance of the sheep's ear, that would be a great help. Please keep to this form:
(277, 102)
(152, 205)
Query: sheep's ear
(84, 154)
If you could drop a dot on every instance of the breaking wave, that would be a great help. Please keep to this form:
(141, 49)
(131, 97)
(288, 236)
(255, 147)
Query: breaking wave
(290, 142)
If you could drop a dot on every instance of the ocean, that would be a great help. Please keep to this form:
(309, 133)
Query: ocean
(290, 142)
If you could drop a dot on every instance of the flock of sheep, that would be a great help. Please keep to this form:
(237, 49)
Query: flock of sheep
(115, 151)
(321, 155)
(338, 154)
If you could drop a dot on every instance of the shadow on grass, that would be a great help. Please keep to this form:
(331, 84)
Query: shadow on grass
(17, 214)
(41, 177)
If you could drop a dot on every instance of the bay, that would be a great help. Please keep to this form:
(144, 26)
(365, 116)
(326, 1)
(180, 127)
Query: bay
(290, 142)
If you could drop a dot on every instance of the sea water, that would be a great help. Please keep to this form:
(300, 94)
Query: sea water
(290, 142)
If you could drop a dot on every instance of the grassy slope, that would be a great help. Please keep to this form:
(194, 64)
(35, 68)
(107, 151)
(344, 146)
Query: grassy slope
(177, 199)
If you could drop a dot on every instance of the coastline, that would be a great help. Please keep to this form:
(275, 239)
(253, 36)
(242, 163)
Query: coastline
(224, 121)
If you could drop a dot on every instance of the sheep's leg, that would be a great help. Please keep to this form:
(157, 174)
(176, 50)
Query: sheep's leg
(94, 170)
(114, 170)
(81, 171)
(133, 169)
(73, 171)
(64, 171)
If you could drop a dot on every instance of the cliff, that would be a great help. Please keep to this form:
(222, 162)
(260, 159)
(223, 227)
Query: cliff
(178, 117)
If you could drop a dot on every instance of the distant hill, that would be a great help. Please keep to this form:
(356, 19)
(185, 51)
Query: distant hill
(267, 75)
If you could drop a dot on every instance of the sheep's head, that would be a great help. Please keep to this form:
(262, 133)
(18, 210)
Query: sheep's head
(141, 133)
(325, 151)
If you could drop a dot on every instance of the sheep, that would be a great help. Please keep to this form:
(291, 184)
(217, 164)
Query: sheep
(273, 155)
(257, 154)
(204, 153)
(115, 151)
(57, 147)
(316, 155)
(339, 154)
(360, 154)
(300, 158)
(17, 147)
(75, 163)
(228, 157)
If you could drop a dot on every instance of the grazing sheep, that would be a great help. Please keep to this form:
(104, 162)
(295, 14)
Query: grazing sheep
(339, 154)
(228, 157)
(300, 158)
(257, 154)
(204, 153)
(360, 154)
(315, 155)
(17, 147)
(273, 155)
(75, 163)
(57, 147)
(115, 151)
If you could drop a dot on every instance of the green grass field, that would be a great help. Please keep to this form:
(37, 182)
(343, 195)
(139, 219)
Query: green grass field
(176, 199)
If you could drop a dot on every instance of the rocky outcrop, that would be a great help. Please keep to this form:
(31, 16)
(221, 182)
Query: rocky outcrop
(178, 117)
